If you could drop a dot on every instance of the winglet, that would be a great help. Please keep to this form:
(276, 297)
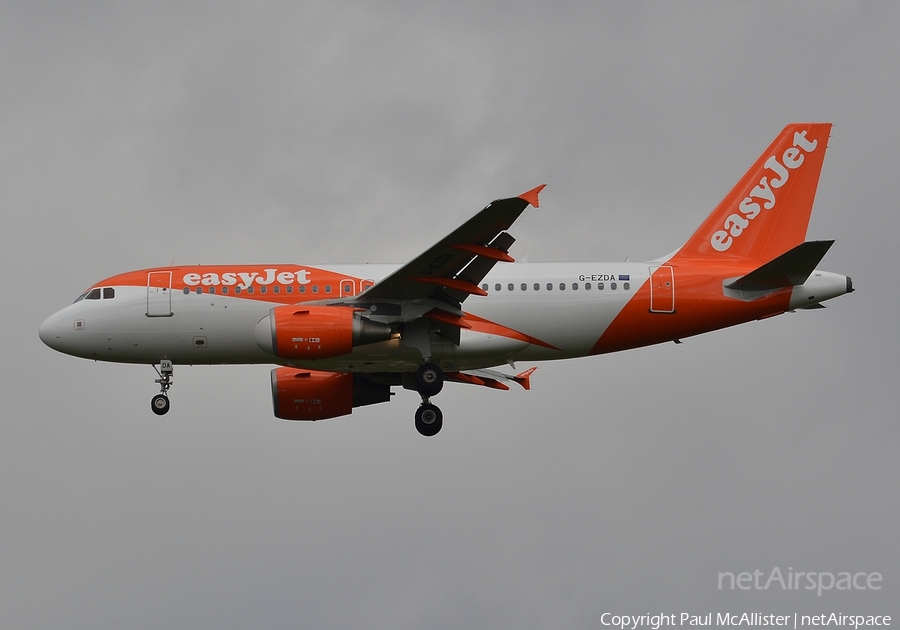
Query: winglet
(532, 196)
(524, 378)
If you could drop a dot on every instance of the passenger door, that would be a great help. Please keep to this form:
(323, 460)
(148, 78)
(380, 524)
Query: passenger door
(159, 294)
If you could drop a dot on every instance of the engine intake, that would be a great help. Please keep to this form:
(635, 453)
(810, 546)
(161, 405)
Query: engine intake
(316, 332)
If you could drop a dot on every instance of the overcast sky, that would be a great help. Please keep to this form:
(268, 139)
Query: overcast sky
(135, 134)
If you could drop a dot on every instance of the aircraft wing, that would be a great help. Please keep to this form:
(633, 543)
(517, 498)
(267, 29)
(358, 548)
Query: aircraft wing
(450, 271)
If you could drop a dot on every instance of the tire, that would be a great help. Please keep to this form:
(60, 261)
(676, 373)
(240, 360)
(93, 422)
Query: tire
(429, 380)
(429, 420)
(160, 404)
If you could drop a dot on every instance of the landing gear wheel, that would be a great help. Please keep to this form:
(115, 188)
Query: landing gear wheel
(160, 404)
(429, 419)
(429, 380)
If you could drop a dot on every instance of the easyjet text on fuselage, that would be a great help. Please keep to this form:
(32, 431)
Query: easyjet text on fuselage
(244, 279)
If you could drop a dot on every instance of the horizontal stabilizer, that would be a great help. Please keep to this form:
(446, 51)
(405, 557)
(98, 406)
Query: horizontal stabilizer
(791, 269)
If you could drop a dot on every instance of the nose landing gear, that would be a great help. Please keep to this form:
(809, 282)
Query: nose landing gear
(160, 403)
(429, 382)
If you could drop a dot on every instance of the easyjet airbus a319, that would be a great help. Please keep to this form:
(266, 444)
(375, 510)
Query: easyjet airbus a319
(344, 335)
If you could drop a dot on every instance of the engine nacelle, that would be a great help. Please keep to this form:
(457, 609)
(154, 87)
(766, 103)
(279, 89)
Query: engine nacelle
(312, 395)
(316, 332)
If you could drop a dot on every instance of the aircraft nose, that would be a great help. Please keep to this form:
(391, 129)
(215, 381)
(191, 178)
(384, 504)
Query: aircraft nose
(49, 331)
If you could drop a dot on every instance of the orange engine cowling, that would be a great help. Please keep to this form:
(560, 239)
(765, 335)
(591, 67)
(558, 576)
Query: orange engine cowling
(316, 332)
(312, 395)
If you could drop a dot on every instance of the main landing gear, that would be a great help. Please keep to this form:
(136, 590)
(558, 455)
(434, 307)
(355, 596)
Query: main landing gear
(160, 403)
(429, 382)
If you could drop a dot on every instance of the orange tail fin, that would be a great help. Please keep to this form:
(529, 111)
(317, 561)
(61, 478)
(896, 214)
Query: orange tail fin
(767, 212)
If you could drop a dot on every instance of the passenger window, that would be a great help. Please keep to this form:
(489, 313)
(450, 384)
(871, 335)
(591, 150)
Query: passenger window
(327, 288)
(276, 289)
(186, 290)
(549, 286)
(237, 290)
(599, 286)
(109, 293)
(93, 295)
(497, 287)
(574, 286)
(524, 287)
(290, 288)
(484, 286)
(315, 288)
(224, 290)
(212, 290)
(511, 287)
(626, 286)
(250, 289)
(199, 290)
(302, 289)
(537, 286)
(587, 286)
(262, 289)
(612, 286)
(562, 286)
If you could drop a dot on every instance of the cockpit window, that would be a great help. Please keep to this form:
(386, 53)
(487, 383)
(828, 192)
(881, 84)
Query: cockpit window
(81, 297)
(109, 293)
(93, 295)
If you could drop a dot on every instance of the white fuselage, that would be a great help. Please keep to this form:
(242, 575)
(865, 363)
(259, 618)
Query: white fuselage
(559, 310)
(565, 305)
